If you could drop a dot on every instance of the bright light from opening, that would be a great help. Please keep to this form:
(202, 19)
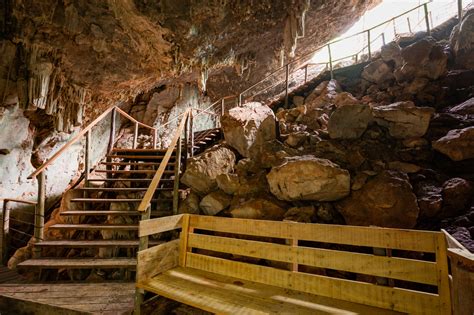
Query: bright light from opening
(345, 51)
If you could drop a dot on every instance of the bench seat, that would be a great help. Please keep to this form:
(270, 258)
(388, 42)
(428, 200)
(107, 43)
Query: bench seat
(227, 295)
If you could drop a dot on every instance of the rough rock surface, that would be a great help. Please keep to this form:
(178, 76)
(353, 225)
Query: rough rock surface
(458, 144)
(246, 128)
(377, 72)
(215, 202)
(309, 178)
(463, 42)
(349, 122)
(258, 208)
(465, 108)
(386, 200)
(404, 119)
(202, 170)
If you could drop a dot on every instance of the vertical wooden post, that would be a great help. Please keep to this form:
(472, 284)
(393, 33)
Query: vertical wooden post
(135, 136)
(222, 106)
(330, 62)
(460, 11)
(143, 244)
(39, 213)
(383, 39)
(394, 28)
(5, 232)
(177, 168)
(191, 134)
(305, 73)
(443, 282)
(409, 25)
(87, 155)
(155, 138)
(287, 82)
(240, 100)
(112, 130)
(356, 58)
(368, 45)
(427, 20)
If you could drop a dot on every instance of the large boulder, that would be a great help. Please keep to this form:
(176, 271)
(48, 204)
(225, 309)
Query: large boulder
(309, 178)
(377, 72)
(403, 119)
(247, 127)
(462, 42)
(349, 122)
(202, 170)
(386, 200)
(258, 208)
(457, 193)
(424, 58)
(190, 204)
(215, 202)
(458, 144)
(466, 108)
(392, 53)
(324, 94)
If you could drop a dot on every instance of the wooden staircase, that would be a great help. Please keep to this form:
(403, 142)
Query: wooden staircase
(105, 215)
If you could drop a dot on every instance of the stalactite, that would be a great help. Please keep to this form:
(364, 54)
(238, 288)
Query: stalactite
(294, 25)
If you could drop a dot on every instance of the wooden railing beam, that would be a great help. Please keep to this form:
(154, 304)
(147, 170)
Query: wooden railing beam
(39, 213)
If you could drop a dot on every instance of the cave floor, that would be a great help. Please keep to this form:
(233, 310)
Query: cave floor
(77, 298)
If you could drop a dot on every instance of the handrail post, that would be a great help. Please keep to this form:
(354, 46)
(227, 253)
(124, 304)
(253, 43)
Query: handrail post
(135, 136)
(460, 11)
(112, 130)
(356, 58)
(142, 245)
(191, 133)
(383, 39)
(222, 106)
(409, 24)
(177, 168)
(155, 138)
(427, 20)
(39, 213)
(287, 82)
(368, 45)
(330, 61)
(305, 73)
(240, 100)
(5, 232)
(87, 155)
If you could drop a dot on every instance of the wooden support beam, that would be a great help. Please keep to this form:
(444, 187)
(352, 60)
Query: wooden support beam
(177, 169)
(5, 236)
(135, 136)
(39, 212)
(330, 61)
(427, 20)
(112, 130)
(87, 156)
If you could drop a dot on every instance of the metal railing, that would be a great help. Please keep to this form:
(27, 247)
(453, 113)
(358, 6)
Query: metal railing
(14, 230)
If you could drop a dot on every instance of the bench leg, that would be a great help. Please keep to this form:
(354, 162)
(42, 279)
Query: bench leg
(139, 296)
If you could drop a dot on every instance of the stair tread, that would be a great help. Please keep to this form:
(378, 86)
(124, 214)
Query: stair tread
(138, 150)
(118, 188)
(113, 199)
(95, 226)
(138, 157)
(134, 163)
(107, 212)
(133, 171)
(94, 243)
(79, 262)
(126, 179)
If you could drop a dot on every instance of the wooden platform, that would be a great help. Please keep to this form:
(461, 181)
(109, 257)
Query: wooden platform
(91, 298)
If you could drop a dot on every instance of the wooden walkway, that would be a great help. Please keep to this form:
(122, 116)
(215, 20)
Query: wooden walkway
(79, 298)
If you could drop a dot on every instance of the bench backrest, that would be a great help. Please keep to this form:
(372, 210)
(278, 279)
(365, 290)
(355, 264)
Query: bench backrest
(298, 245)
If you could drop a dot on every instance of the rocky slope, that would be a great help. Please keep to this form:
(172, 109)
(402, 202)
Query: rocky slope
(390, 146)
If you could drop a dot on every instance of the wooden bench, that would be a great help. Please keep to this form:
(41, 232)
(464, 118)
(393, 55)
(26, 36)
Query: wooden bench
(240, 266)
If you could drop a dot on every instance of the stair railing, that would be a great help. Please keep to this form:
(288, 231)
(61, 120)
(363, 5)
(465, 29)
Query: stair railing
(7, 220)
(39, 173)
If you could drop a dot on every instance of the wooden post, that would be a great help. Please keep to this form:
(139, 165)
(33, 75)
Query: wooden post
(177, 168)
(287, 83)
(135, 136)
(409, 24)
(383, 39)
(112, 130)
(87, 155)
(143, 244)
(427, 20)
(5, 233)
(460, 11)
(356, 58)
(305, 73)
(155, 138)
(39, 213)
(330, 62)
(240, 100)
(191, 132)
(368, 45)
(394, 28)
(222, 106)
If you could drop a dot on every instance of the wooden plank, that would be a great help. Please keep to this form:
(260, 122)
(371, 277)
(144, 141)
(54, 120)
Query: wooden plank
(91, 243)
(226, 295)
(161, 169)
(90, 227)
(397, 299)
(443, 277)
(157, 259)
(138, 157)
(423, 241)
(80, 263)
(183, 244)
(139, 150)
(132, 171)
(111, 199)
(160, 225)
(390, 267)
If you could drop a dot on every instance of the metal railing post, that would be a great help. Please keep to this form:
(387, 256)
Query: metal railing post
(383, 39)
(460, 11)
(135, 136)
(409, 25)
(177, 168)
(427, 20)
(5, 232)
(305, 73)
(330, 61)
(87, 155)
(368, 45)
(287, 79)
(39, 213)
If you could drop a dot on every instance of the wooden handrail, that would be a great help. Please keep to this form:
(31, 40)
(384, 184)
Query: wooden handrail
(5, 200)
(145, 203)
(80, 135)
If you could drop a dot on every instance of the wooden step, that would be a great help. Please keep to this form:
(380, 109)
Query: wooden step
(114, 199)
(133, 171)
(94, 227)
(120, 189)
(138, 157)
(134, 163)
(139, 150)
(127, 179)
(79, 263)
(93, 243)
(111, 213)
